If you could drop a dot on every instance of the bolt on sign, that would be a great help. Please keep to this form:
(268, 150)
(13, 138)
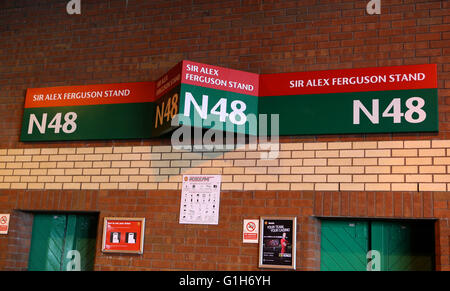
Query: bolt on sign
(4, 223)
(365, 100)
(206, 97)
(109, 111)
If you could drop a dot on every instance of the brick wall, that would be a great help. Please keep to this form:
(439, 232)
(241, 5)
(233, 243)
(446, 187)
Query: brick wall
(409, 165)
(367, 175)
(131, 41)
(173, 246)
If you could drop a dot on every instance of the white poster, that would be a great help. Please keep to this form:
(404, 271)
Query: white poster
(200, 199)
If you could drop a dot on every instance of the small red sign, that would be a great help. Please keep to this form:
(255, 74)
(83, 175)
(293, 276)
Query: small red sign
(250, 233)
(251, 226)
(4, 223)
(250, 236)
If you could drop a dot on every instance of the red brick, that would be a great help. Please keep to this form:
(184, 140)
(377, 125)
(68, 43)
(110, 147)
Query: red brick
(277, 36)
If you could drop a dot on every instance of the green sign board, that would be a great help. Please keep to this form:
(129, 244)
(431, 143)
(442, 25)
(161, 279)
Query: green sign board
(208, 97)
(111, 111)
(355, 112)
(367, 100)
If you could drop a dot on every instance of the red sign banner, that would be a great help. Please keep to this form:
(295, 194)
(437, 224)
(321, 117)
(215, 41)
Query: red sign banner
(168, 81)
(349, 80)
(90, 95)
(220, 78)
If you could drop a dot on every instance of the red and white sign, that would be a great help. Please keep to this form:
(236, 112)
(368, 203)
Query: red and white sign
(349, 80)
(4, 223)
(220, 78)
(123, 235)
(118, 93)
(251, 231)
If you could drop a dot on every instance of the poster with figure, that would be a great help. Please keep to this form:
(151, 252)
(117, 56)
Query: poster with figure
(277, 245)
(200, 199)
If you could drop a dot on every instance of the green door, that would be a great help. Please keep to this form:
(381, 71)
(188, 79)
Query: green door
(401, 245)
(63, 242)
(404, 246)
(344, 245)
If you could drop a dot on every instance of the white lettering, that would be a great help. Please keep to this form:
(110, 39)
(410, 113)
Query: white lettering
(373, 7)
(373, 117)
(40, 126)
(73, 7)
(201, 111)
